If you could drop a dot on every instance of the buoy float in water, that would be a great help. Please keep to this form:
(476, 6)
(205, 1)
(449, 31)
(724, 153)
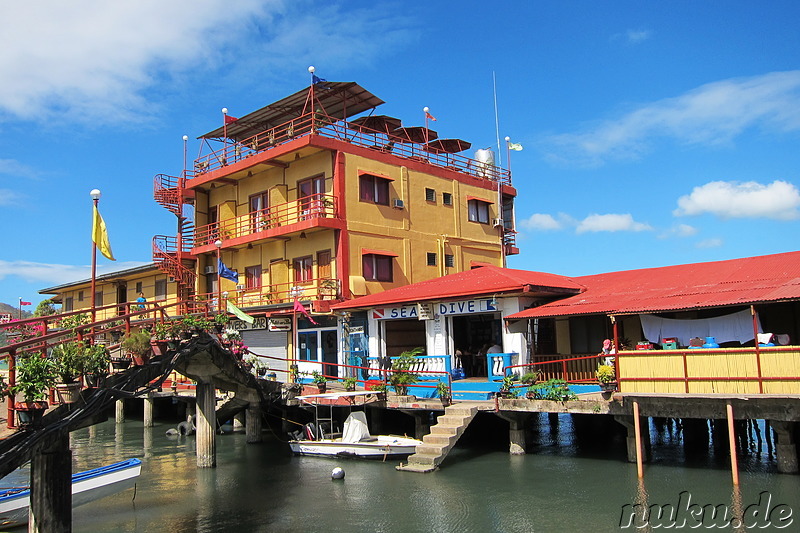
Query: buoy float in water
(337, 473)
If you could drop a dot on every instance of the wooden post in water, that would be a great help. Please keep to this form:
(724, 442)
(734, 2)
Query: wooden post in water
(732, 440)
(206, 424)
(637, 425)
(120, 411)
(148, 412)
(252, 428)
(51, 487)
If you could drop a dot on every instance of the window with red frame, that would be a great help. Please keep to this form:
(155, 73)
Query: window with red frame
(376, 267)
(478, 211)
(374, 189)
(303, 269)
(252, 279)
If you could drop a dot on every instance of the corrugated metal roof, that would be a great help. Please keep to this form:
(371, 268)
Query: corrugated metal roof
(744, 281)
(339, 99)
(486, 280)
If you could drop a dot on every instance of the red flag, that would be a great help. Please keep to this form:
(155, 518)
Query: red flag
(229, 119)
(300, 309)
(24, 303)
(429, 116)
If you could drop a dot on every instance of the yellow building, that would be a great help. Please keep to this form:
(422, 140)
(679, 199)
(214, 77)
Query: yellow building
(114, 291)
(302, 199)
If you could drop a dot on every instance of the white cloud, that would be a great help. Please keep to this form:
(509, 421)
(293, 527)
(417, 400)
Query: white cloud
(94, 60)
(610, 222)
(56, 274)
(680, 231)
(779, 200)
(9, 197)
(709, 243)
(15, 169)
(541, 222)
(714, 113)
(637, 36)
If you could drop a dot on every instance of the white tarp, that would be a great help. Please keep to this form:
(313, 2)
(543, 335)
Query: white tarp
(355, 427)
(733, 327)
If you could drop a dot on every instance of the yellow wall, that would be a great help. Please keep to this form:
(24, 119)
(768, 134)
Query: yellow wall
(717, 363)
(109, 290)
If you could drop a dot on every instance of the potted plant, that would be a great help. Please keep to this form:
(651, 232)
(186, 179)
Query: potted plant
(137, 344)
(96, 365)
(443, 391)
(160, 338)
(114, 329)
(402, 377)
(329, 288)
(258, 365)
(529, 378)
(350, 383)
(220, 321)
(35, 375)
(556, 390)
(320, 381)
(606, 378)
(69, 359)
(507, 388)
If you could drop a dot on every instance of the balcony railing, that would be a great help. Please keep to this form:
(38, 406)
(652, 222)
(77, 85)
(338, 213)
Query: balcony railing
(314, 207)
(233, 152)
(279, 293)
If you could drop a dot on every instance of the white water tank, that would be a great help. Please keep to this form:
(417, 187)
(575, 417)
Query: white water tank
(485, 162)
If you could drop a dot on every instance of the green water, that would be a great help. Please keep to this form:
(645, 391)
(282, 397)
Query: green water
(560, 486)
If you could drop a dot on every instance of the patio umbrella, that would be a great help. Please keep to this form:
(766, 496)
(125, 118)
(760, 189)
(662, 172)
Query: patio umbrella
(446, 146)
(375, 124)
(415, 134)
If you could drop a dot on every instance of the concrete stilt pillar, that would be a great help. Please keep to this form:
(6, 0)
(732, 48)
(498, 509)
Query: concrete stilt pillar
(630, 439)
(253, 423)
(148, 412)
(120, 411)
(516, 432)
(286, 426)
(239, 421)
(422, 424)
(785, 447)
(206, 425)
(51, 487)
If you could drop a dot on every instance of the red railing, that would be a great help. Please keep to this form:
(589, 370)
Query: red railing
(313, 207)
(579, 369)
(280, 293)
(325, 126)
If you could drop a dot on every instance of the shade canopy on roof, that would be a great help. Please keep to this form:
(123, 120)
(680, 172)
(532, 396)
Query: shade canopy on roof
(447, 146)
(375, 124)
(339, 100)
(752, 280)
(413, 134)
(487, 280)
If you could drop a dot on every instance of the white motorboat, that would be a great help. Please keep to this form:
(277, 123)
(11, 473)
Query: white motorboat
(87, 487)
(355, 441)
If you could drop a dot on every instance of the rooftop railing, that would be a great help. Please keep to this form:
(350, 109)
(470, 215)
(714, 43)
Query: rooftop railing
(315, 123)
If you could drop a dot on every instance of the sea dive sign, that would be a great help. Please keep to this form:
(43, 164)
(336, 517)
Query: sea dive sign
(462, 307)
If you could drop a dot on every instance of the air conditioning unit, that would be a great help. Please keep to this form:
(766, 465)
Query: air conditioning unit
(209, 269)
(398, 203)
(497, 222)
(240, 287)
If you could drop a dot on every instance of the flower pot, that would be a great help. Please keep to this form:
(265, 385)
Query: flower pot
(219, 328)
(261, 372)
(29, 414)
(120, 363)
(139, 360)
(322, 387)
(610, 386)
(68, 392)
(159, 347)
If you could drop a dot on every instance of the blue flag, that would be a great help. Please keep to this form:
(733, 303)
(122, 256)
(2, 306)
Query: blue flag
(315, 80)
(227, 273)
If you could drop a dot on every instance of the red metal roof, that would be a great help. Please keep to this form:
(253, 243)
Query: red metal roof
(751, 280)
(487, 280)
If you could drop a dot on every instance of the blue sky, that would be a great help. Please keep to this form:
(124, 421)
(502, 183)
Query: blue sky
(654, 133)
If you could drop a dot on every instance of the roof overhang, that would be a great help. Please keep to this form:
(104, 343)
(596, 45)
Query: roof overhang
(339, 99)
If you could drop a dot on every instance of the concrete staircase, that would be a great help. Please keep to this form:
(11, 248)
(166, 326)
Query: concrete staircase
(443, 436)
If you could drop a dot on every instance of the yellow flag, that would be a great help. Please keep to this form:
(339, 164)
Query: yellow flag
(100, 235)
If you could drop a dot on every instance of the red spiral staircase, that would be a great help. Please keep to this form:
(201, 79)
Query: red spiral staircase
(172, 254)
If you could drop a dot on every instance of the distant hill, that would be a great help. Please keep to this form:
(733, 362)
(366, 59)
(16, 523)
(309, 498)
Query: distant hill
(6, 308)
